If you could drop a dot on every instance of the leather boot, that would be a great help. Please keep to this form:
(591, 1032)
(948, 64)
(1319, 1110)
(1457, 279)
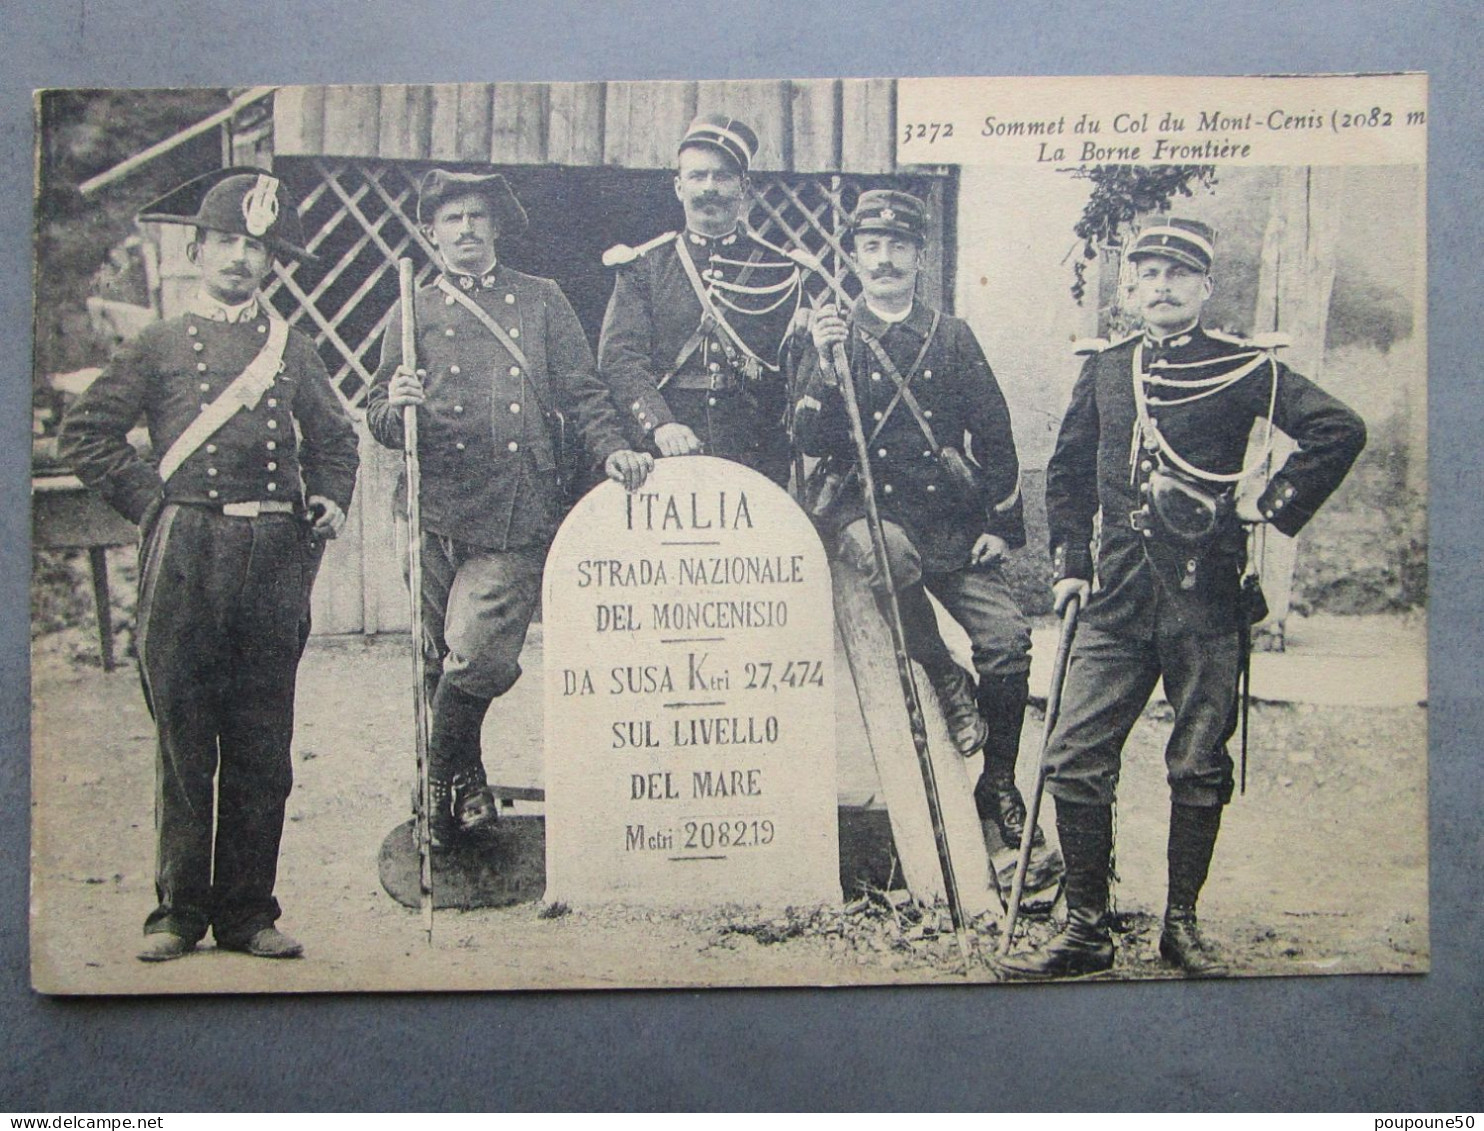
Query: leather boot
(996, 796)
(1193, 830)
(1180, 944)
(1084, 945)
(474, 806)
(443, 830)
(956, 696)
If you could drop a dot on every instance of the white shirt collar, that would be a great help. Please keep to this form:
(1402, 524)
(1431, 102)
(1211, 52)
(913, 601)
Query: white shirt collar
(889, 319)
(214, 310)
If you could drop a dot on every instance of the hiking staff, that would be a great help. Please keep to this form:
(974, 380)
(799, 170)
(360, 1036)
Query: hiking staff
(415, 588)
(1053, 708)
(841, 365)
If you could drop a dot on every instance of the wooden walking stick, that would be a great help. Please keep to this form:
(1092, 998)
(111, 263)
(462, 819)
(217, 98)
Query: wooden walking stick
(1053, 708)
(841, 365)
(415, 588)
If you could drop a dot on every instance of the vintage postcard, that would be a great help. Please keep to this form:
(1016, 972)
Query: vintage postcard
(682, 534)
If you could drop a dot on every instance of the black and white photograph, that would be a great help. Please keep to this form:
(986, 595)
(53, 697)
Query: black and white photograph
(649, 534)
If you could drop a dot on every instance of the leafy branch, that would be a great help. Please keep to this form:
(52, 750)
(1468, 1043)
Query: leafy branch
(1122, 193)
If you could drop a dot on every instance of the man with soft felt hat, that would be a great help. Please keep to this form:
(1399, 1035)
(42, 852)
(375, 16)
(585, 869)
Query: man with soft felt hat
(256, 463)
(698, 336)
(505, 380)
(947, 478)
(1156, 439)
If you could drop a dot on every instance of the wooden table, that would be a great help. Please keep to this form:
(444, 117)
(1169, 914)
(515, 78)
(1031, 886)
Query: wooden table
(66, 515)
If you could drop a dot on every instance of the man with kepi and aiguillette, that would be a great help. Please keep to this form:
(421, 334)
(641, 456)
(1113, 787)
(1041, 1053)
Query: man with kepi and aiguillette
(697, 340)
(1156, 437)
(232, 521)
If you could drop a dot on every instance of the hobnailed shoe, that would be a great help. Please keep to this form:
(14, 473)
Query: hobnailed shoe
(966, 726)
(1000, 801)
(267, 942)
(474, 805)
(1181, 945)
(162, 946)
(443, 830)
(1083, 947)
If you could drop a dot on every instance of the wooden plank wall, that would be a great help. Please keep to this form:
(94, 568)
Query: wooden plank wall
(806, 126)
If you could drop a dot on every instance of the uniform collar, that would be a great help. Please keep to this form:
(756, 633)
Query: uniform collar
(919, 319)
(485, 281)
(202, 305)
(1173, 343)
(728, 240)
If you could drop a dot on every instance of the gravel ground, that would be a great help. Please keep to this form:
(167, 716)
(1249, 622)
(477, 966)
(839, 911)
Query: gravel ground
(1321, 868)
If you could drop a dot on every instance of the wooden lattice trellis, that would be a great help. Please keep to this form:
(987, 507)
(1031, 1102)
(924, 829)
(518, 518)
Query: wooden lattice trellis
(360, 217)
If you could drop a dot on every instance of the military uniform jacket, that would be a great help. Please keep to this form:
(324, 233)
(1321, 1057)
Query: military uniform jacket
(654, 311)
(169, 374)
(485, 450)
(961, 400)
(1096, 467)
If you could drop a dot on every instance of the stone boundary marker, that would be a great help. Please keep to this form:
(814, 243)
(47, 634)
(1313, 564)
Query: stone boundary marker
(690, 725)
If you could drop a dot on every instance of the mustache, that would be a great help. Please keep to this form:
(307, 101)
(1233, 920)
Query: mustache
(888, 273)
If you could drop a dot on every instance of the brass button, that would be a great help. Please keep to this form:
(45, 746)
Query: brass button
(200, 367)
(881, 452)
(273, 486)
(886, 490)
(455, 370)
(212, 494)
(198, 346)
(458, 408)
(510, 300)
(272, 424)
(515, 371)
(211, 449)
(205, 387)
(448, 333)
(272, 467)
(272, 445)
(448, 300)
(515, 406)
(211, 471)
(460, 445)
(513, 446)
(515, 331)
(191, 330)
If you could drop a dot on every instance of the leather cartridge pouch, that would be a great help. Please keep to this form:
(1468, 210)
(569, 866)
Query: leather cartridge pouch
(963, 475)
(823, 490)
(1185, 510)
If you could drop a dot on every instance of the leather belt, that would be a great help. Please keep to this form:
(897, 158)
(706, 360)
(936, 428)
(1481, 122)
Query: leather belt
(722, 381)
(257, 507)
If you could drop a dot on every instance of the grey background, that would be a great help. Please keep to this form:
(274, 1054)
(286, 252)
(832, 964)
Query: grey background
(1358, 1043)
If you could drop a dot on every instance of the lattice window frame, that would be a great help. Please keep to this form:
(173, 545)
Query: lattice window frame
(365, 213)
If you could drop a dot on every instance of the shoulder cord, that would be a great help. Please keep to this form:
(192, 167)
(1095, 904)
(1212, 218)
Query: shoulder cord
(1146, 427)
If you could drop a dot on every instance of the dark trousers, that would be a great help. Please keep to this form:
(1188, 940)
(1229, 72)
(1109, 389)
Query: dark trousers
(978, 597)
(477, 607)
(1109, 681)
(223, 613)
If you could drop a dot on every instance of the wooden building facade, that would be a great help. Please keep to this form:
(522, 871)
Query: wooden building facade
(593, 164)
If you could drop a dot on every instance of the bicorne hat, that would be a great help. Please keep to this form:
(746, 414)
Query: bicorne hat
(240, 201)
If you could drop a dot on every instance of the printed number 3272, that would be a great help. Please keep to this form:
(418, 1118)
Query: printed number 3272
(926, 131)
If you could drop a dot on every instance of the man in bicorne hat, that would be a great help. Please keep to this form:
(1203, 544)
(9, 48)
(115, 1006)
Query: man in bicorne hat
(256, 463)
(696, 338)
(1156, 437)
(947, 480)
(501, 362)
